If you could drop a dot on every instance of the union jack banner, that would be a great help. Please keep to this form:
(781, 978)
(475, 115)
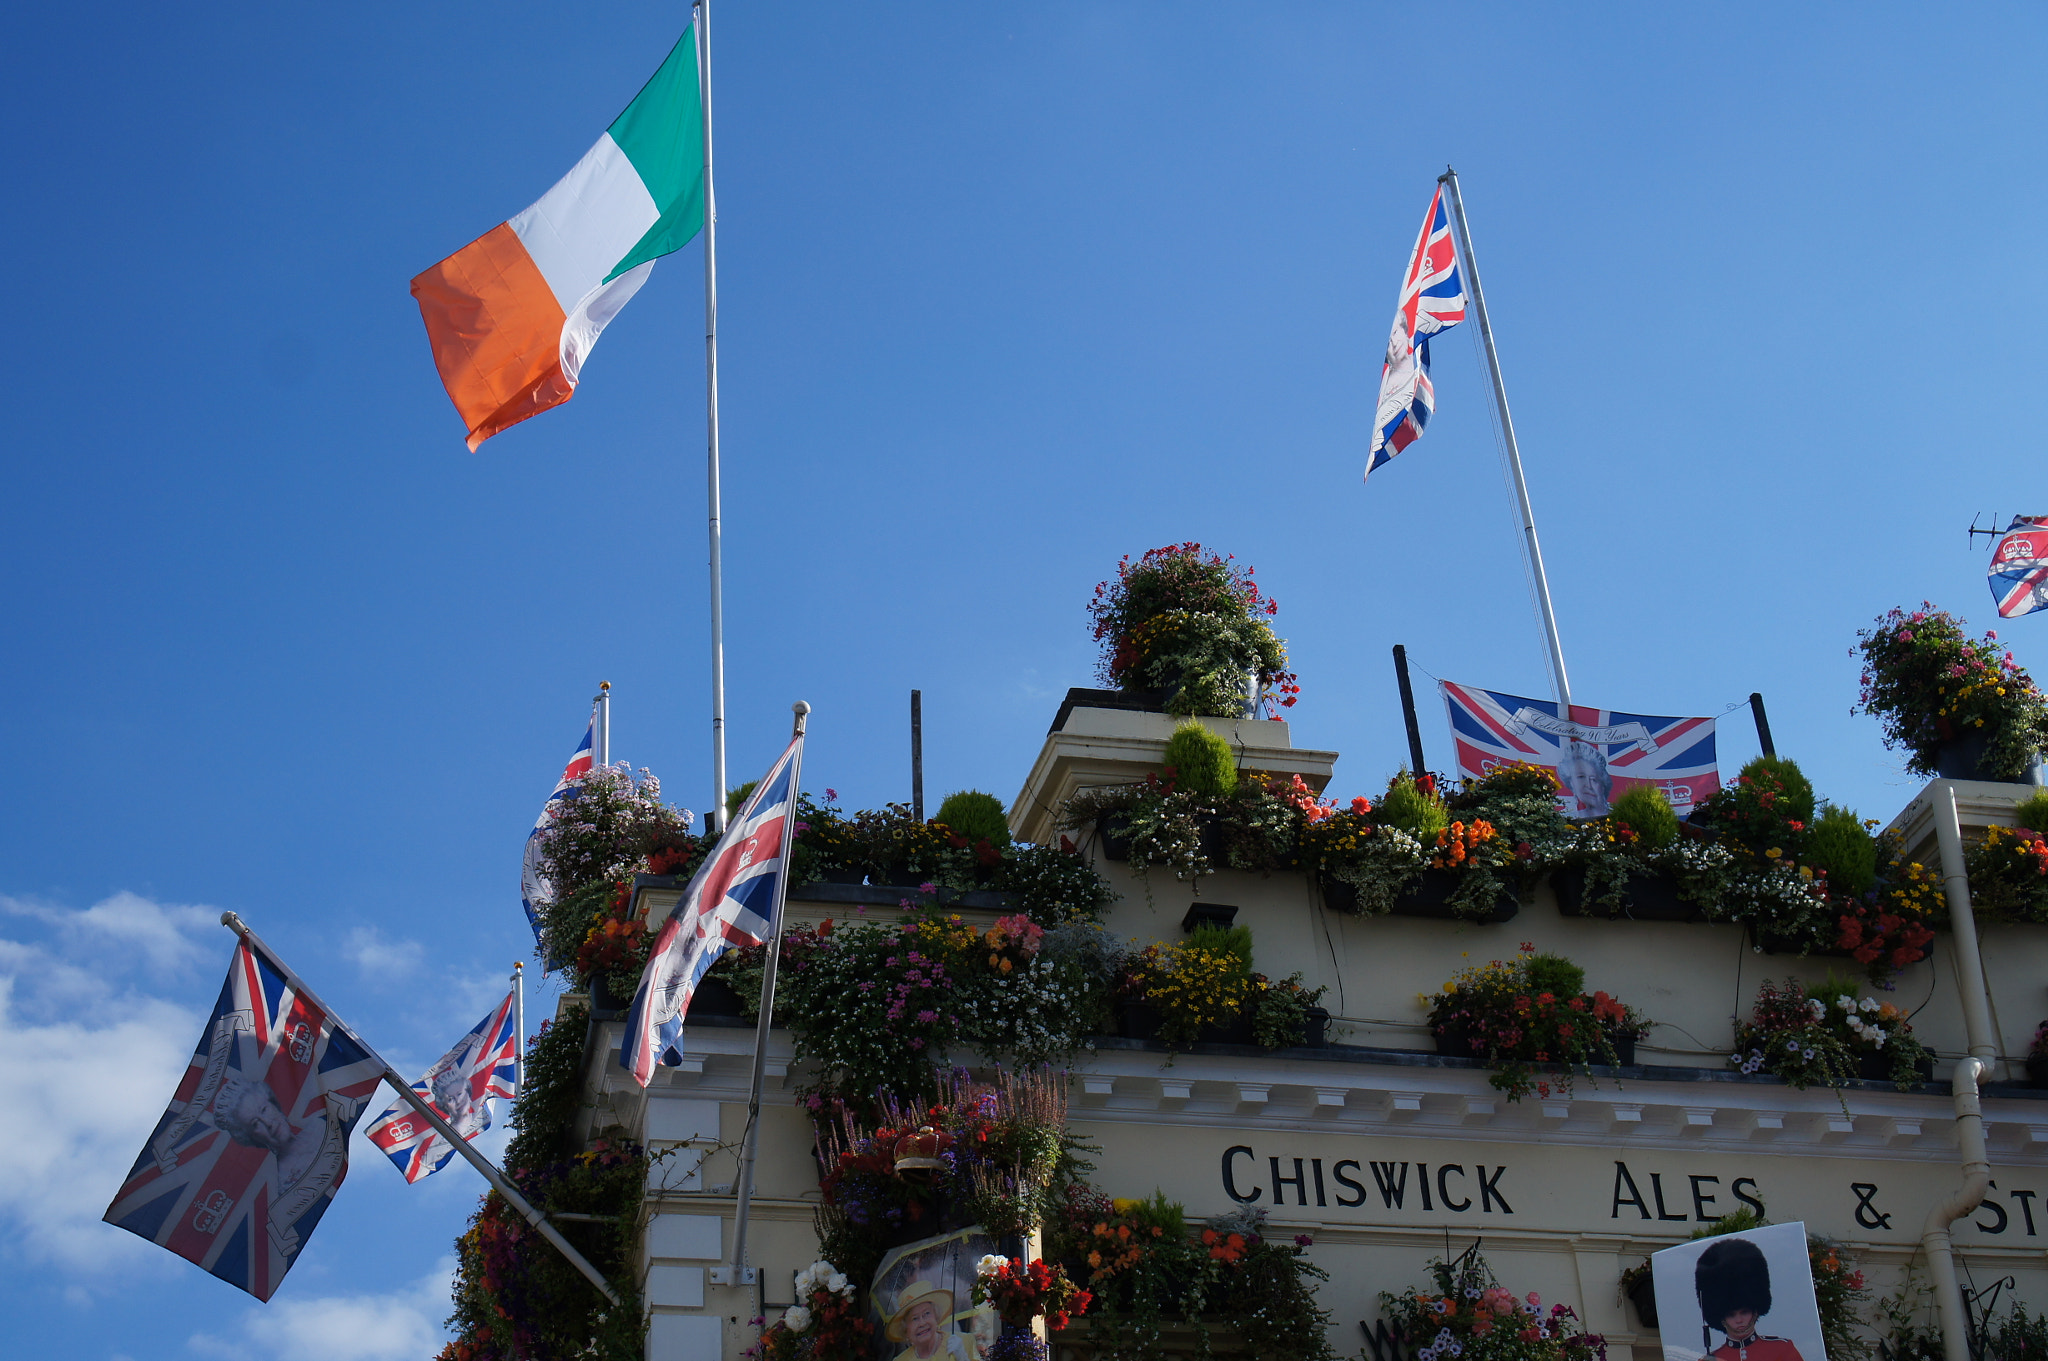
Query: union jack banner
(535, 890)
(732, 900)
(2019, 567)
(1596, 754)
(1432, 302)
(255, 1141)
(482, 1065)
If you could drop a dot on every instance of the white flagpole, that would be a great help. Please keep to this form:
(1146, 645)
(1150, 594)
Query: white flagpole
(603, 701)
(715, 819)
(739, 1268)
(1507, 427)
(428, 1113)
(518, 1028)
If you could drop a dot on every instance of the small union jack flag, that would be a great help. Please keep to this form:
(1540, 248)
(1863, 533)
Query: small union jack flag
(2019, 567)
(1596, 754)
(535, 890)
(482, 1065)
(1432, 302)
(255, 1142)
(732, 900)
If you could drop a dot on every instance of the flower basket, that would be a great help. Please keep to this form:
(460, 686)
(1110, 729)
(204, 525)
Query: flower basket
(1643, 1295)
(1430, 898)
(605, 1005)
(1878, 1067)
(1338, 895)
(1114, 829)
(1651, 897)
(1317, 1036)
(1456, 1044)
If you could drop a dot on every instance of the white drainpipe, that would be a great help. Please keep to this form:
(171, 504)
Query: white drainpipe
(1969, 970)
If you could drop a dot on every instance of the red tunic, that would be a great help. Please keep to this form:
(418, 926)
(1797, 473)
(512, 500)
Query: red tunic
(1758, 1349)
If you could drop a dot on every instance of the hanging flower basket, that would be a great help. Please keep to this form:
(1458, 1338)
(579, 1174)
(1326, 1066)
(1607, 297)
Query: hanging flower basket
(1431, 898)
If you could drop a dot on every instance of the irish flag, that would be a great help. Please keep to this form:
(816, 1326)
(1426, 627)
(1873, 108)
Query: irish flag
(513, 314)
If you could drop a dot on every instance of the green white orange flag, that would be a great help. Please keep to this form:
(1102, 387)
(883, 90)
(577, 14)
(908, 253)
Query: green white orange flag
(513, 315)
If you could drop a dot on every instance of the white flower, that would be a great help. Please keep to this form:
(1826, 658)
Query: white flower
(1817, 1007)
(1869, 1004)
(796, 1318)
(1846, 1003)
(839, 1285)
(990, 1265)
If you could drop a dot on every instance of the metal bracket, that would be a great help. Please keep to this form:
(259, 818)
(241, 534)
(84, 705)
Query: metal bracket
(734, 1275)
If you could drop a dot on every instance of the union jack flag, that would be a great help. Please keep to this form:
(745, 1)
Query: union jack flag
(1432, 301)
(535, 890)
(482, 1065)
(1596, 754)
(255, 1141)
(732, 900)
(2019, 567)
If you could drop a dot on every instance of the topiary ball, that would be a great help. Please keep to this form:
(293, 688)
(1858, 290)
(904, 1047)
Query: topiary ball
(1647, 813)
(1796, 791)
(1844, 847)
(976, 816)
(1202, 762)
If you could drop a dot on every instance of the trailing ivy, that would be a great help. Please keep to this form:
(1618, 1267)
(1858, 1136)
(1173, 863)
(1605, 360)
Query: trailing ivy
(516, 1295)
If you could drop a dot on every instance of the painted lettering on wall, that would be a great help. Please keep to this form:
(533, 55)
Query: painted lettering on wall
(1702, 1202)
(1453, 1186)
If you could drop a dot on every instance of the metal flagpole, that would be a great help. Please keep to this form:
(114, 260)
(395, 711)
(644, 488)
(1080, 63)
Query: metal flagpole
(740, 1270)
(519, 1027)
(604, 722)
(428, 1113)
(715, 820)
(1507, 426)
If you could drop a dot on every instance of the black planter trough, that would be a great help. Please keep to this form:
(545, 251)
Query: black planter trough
(1114, 831)
(1430, 899)
(1878, 1068)
(1426, 899)
(1646, 898)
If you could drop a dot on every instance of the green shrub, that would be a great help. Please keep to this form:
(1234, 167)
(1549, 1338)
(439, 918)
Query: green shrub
(1648, 814)
(2032, 812)
(1202, 762)
(1224, 940)
(1421, 815)
(1555, 975)
(1795, 790)
(735, 797)
(976, 816)
(1844, 847)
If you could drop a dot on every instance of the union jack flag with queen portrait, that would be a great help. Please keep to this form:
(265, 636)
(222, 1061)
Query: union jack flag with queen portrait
(255, 1142)
(483, 1065)
(1596, 754)
(2019, 567)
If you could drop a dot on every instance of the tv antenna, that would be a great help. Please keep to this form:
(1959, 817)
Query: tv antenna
(1990, 533)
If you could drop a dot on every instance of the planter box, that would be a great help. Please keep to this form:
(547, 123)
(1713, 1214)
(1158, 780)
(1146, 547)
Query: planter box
(1772, 943)
(1317, 1036)
(1237, 1030)
(1878, 1068)
(1647, 898)
(1115, 834)
(1458, 1046)
(2037, 1070)
(841, 876)
(1427, 899)
(715, 997)
(1643, 1295)
(1140, 1021)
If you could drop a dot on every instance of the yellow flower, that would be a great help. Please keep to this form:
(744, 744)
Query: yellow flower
(1774, 852)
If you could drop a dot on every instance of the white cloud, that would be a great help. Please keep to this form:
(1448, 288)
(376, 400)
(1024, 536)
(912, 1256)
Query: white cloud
(402, 1325)
(88, 1067)
(161, 933)
(375, 955)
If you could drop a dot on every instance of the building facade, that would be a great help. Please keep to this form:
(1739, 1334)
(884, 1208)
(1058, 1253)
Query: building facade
(1380, 1149)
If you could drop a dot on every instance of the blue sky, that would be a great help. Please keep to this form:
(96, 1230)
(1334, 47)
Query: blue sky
(1007, 293)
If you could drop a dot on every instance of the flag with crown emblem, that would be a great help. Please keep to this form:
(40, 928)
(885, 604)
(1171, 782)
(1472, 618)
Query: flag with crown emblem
(483, 1065)
(255, 1142)
(1432, 301)
(2019, 567)
(536, 890)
